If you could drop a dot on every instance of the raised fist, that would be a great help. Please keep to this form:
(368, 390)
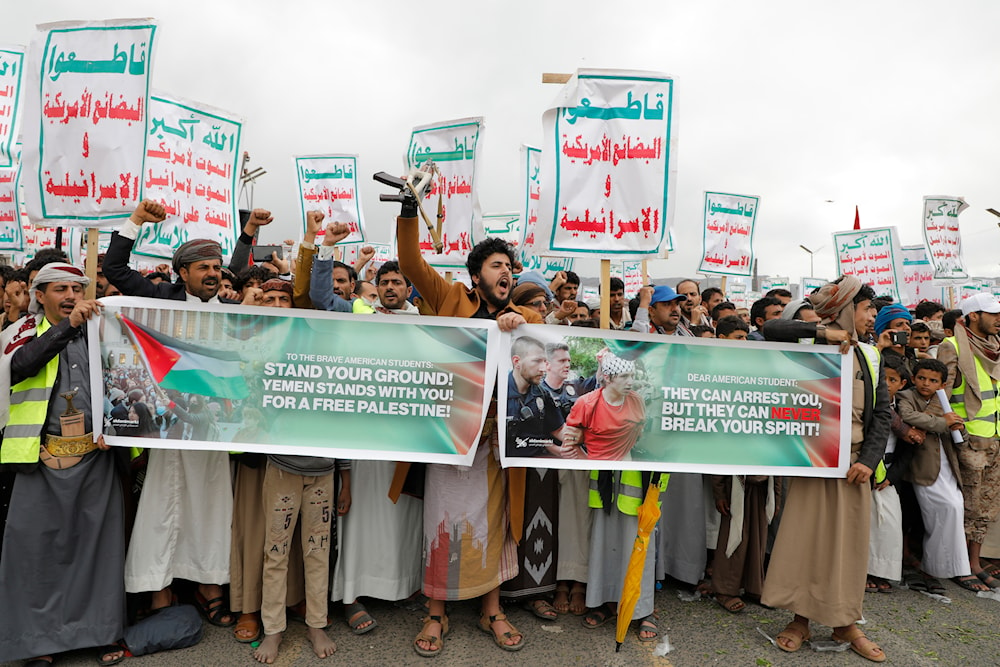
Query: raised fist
(148, 211)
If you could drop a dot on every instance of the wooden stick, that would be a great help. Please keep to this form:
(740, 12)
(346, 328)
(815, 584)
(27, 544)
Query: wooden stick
(555, 77)
(90, 268)
(724, 285)
(606, 294)
(435, 237)
(645, 274)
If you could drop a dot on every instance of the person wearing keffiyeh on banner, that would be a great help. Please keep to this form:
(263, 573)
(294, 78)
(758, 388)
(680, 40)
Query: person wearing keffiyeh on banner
(66, 509)
(820, 558)
(608, 422)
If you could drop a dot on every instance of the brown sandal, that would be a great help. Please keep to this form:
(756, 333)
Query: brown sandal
(431, 639)
(486, 625)
(247, 629)
(861, 645)
(795, 633)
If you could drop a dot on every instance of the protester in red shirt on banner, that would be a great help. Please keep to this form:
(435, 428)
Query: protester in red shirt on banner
(608, 422)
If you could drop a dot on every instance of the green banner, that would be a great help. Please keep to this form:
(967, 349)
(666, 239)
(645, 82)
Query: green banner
(305, 382)
(631, 401)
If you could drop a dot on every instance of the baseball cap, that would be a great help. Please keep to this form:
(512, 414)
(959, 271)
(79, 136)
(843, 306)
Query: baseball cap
(665, 293)
(986, 303)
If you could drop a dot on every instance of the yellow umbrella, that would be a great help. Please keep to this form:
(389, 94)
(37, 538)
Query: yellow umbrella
(649, 514)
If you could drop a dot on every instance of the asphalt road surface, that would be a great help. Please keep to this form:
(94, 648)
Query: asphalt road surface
(912, 628)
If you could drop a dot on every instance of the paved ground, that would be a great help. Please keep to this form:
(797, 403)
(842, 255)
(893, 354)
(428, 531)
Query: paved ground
(912, 628)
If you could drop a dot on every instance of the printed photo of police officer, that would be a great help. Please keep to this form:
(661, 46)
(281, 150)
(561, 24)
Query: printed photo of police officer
(534, 423)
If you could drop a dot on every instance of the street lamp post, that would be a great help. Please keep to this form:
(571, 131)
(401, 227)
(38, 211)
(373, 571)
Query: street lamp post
(812, 254)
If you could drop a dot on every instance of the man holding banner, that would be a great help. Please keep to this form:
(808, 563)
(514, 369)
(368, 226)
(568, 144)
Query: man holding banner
(64, 543)
(820, 558)
(182, 524)
(476, 498)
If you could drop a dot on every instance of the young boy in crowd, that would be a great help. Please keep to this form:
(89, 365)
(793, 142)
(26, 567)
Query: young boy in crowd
(920, 339)
(885, 554)
(935, 476)
(732, 327)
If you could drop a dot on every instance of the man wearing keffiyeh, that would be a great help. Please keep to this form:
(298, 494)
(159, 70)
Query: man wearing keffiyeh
(972, 356)
(820, 558)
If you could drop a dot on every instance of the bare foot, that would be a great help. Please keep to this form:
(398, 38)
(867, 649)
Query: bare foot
(322, 645)
(578, 600)
(268, 649)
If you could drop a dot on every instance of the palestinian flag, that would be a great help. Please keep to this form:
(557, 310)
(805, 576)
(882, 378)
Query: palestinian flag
(185, 367)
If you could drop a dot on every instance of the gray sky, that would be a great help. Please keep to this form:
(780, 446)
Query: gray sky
(874, 104)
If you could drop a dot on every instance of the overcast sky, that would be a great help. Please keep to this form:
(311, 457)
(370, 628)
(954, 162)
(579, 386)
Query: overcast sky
(860, 103)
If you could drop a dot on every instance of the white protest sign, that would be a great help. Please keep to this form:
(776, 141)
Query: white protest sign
(548, 266)
(506, 226)
(809, 285)
(85, 120)
(727, 240)
(11, 237)
(329, 183)
(11, 68)
(607, 168)
(453, 147)
(918, 274)
(632, 277)
(871, 255)
(192, 160)
(531, 166)
(943, 238)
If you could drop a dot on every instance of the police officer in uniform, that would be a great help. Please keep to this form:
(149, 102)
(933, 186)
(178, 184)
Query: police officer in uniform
(533, 420)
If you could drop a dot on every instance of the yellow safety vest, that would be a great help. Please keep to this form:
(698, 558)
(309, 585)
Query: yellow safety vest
(29, 407)
(984, 423)
(629, 491)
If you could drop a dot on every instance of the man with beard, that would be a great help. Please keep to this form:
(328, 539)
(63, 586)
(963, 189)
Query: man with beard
(972, 356)
(198, 263)
(534, 428)
(692, 312)
(182, 524)
(660, 311)
(480, 558)
(64, 544)
(819, 562)
(394, 290)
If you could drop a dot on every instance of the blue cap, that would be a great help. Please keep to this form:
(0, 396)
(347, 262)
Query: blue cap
(893, 311)
(665, 293)
(538, 279)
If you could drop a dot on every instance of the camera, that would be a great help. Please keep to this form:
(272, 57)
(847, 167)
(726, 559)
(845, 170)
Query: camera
(899, 337)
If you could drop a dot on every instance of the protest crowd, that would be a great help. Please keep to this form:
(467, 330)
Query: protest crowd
(253, 540)
(192, 474)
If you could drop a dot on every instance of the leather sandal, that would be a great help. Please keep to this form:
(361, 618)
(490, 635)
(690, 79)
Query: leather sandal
(860, 644)
(795, 633)
(248, 629)
(486, 625)
(431, 639)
